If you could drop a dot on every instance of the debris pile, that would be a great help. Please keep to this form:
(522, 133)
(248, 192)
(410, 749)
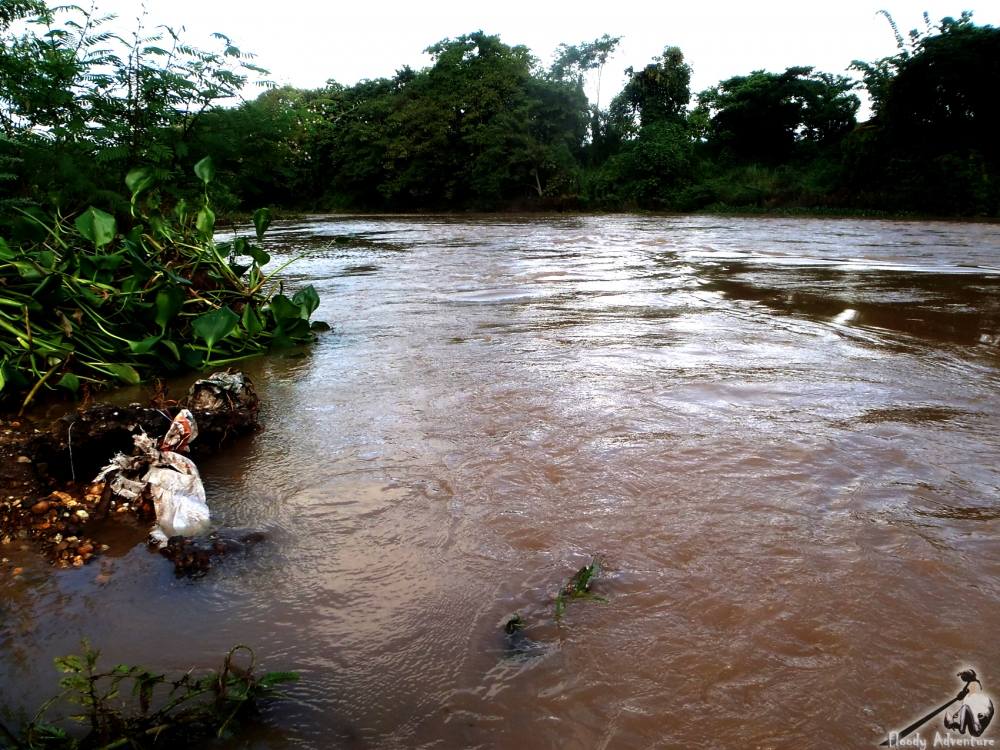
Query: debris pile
(43, 501)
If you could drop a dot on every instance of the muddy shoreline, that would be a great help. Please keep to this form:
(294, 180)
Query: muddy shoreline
(46, 497)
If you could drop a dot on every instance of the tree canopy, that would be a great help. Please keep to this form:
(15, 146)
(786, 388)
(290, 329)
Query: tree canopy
(487, 126)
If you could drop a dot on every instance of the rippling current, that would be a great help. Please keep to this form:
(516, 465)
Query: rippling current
(782, 436)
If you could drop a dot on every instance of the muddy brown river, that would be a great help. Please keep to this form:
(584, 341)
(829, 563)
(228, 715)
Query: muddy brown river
(781, 435)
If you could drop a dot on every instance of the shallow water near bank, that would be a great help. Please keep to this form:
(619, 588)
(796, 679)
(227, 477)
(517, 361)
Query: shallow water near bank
(782, 435)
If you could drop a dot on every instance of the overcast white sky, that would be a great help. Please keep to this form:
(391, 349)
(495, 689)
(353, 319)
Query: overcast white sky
(305, 43)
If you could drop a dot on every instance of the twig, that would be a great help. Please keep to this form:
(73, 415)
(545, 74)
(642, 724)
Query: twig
(69, 445)
(39, 384)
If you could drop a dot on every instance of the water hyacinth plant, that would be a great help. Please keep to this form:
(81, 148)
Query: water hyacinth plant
(86, 300)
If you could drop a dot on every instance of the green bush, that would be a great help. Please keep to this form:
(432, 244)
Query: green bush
(88, 301)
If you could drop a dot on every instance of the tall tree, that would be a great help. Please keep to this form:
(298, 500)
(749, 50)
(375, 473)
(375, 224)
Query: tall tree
(762, 116)
(657, 93)
(933, 146)
(573, 61)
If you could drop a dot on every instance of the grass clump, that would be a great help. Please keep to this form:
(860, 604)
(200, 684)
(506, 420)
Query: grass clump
(578, 587)
(130, 706)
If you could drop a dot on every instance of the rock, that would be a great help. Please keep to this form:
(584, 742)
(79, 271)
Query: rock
(42, 506)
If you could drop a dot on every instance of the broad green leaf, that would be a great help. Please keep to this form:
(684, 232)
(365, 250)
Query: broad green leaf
(215, 326)
(45, 258)
(97, 226)
(125, 373)
(169, 301)
(11, 376)
(192, 357)
(283, 309)
(206, 221)
(251, 321)
(138, 180)
(307, 299)
(106, 262)
(258, 255)
(205, 170)
(27, 271)
(277, 678)
(296, 331)
(70, 382)
(238, 269)
(5, 252)
(261, 221)
(173, 348)
(141, 347)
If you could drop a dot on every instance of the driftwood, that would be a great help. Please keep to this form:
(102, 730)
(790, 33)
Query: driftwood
(45, 494)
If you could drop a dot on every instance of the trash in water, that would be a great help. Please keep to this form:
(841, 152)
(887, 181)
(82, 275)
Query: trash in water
(168, 478)
(223, 391)
(578, 587)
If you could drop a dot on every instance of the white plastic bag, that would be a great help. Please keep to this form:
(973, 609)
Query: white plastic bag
(178, 496)
(172, 480)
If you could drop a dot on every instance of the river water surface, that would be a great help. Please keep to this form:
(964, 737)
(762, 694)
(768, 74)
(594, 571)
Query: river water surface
(782, 437)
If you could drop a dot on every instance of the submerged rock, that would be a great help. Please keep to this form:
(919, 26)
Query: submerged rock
(193, 557)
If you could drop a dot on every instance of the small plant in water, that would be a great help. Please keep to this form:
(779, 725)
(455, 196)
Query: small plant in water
(578, 587)
(130, 706)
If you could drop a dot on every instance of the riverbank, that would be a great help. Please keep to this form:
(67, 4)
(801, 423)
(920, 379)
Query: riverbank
(234, 222)
(46, 467)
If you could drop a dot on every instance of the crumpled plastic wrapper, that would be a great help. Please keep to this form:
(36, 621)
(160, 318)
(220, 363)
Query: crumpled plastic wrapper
(171, 479)
(222, 391)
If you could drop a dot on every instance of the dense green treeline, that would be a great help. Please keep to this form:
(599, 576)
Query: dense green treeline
(486, 127)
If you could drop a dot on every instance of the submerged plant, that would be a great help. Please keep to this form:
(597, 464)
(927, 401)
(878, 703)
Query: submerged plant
(87, 301)
(578, 587)
(130, 706)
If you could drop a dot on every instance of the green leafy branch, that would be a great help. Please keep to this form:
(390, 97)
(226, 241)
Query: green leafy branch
(578, 587)
(132, 706)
